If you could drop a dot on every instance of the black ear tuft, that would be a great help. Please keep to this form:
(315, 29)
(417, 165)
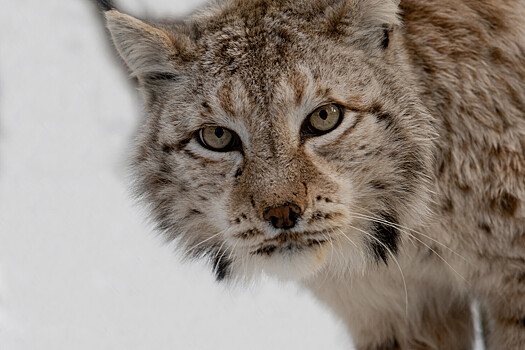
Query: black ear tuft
(105, 5)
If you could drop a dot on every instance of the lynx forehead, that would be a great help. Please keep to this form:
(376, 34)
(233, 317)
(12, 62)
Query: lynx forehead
(370, 149)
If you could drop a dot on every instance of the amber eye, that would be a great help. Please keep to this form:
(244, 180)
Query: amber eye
(217, 138)
(323, 120)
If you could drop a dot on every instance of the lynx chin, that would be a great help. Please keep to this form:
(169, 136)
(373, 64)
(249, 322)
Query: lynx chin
(372, 150)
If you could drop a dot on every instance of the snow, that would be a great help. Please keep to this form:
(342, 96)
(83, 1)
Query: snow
(80, 268)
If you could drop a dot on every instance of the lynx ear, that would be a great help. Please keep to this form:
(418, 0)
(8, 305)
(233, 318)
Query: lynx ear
(368, 21)
(147, 50)
(378, 12)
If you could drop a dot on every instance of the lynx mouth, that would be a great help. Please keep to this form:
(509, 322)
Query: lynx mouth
(289, 247)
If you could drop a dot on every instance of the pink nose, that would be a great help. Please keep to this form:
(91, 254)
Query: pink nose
(284, 216)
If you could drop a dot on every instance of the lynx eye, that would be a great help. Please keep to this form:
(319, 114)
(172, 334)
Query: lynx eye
(217, 138)
(323, 120)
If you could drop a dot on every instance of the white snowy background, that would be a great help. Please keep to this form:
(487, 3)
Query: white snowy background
(80, 268)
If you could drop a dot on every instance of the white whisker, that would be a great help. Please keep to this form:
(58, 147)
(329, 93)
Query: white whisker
(217, 261)
(353, 243)
(361, 216)
(205, 240)
(395, 260)
(406, 229)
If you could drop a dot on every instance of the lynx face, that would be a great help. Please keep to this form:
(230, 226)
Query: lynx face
(281, 136)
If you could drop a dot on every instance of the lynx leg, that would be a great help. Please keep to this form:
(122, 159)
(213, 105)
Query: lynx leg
(375, 313)
(444, 324)
(435, 328)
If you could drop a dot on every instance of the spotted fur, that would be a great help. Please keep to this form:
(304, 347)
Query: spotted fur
(404, 213)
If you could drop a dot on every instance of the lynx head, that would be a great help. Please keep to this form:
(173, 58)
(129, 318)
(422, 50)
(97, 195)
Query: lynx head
(282, 136)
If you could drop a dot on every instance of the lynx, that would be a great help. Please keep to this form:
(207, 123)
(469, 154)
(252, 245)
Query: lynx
(371, 150)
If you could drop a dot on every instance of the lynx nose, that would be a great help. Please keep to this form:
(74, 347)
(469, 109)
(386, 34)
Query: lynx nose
(283, 216)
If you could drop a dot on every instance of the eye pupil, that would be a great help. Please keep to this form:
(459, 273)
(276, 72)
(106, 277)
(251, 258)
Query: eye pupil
(322, 120)
(217, 138)
(219, 132)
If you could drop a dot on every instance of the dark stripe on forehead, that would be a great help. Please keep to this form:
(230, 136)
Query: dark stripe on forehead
(225, 98)
(207, 110)
(386, 236)
(299, 83)
(323, 92)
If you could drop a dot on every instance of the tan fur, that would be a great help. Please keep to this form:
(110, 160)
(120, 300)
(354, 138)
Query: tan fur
(410, 209)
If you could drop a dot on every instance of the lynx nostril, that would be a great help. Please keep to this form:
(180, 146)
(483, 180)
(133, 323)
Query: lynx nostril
(283, 216)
